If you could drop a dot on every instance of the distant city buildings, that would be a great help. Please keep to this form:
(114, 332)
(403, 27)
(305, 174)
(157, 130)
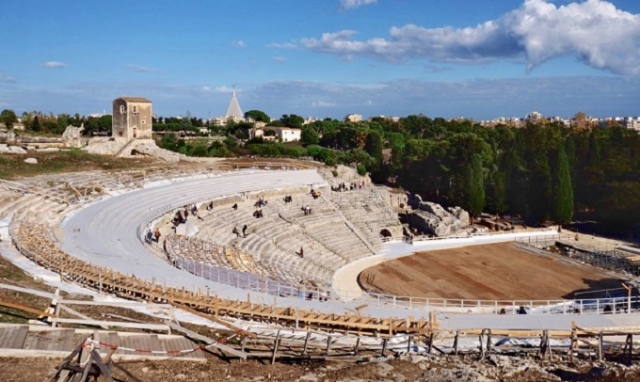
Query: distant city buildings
(273, 133)
(310, 120)
(579, 121)
(353, 118)
(386, 118)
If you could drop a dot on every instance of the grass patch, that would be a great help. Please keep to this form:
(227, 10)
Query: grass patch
(13, 166)
(10, 274)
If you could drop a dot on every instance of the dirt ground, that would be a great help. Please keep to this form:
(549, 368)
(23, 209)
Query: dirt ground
(486, 272)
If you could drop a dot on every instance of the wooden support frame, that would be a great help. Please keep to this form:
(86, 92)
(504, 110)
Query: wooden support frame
(33, 241)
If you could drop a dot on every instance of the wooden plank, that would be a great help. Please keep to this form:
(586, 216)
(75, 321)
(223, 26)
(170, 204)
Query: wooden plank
(19, 338)
(179, 343)
(171, 344)
(41, 340)
(8, 336)
(106, 338)
(4, 335)
(116, 339)
(62, 337)
(21, 307)
(221, 322)
(154, 342)
(145, 342)
(133, 325)
(76, 313)
(69, 341)
(207, 340)
(135, 342)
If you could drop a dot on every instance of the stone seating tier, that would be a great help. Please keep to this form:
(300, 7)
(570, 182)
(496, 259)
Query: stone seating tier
(329, 241)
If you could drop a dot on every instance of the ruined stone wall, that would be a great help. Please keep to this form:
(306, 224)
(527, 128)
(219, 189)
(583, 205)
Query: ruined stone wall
(119, 115)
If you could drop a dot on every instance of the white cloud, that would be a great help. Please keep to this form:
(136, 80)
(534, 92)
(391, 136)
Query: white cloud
(350, 4)
(238, 43)
(280, 59)
(223, 89)
(593, 31)
(323, 104)
(54, 64)
(141, 69)
(284, 45)
(206, 89)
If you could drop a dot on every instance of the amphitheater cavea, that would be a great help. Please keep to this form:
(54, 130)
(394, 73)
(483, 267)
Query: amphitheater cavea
(265, 246)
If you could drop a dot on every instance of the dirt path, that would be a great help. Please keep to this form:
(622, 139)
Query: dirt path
(487, 272)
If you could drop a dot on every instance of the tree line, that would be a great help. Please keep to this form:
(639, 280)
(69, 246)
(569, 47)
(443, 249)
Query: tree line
(539, 172)
(542, 171)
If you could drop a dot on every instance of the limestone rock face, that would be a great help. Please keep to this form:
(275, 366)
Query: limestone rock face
(149, 148)
(72, 136)
(31, 161)
(461, 215)
(432, 218)
(103, 146)
(5, 149)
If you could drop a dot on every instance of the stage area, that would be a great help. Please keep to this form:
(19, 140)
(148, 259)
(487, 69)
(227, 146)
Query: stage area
(485, 272)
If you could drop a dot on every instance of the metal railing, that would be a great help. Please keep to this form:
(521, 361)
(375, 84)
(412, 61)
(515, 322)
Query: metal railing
(611, 305)
(250, 281)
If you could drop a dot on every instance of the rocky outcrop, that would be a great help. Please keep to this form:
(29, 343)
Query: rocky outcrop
(133, 148)
(431, 219)
(461, 215)
(72, 136)
(103, 146)
(5, 149)
(149, 148)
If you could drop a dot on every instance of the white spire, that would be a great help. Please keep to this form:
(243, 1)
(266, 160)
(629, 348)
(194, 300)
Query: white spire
(234, 111)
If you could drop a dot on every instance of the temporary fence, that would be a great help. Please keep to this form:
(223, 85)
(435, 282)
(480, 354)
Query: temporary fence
(250, 281)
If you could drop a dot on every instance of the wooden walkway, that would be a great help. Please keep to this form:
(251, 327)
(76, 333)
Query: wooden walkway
(37, 341)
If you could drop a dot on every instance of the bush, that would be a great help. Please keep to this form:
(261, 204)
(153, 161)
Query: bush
(362, 169)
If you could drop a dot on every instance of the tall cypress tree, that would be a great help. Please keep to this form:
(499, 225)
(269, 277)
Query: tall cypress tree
(563, 190)
(474, 197)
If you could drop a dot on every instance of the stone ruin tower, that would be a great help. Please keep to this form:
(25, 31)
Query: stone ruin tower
(131, 119)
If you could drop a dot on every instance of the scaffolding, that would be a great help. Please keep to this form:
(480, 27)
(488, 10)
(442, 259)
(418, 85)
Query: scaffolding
(612, 259)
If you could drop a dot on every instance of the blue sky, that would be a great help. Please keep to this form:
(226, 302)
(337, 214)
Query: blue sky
(324, 58)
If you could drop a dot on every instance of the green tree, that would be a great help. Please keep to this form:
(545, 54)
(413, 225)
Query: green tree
(474, 198)
(309, 136)
(373, 146)
(105, 123)
(9, 118)
(292, 120)
(257, 115)
(35, 124)
(563, 190)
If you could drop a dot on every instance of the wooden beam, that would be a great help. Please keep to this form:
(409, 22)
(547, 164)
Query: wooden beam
(21, 307)
(112, 324)
(207, 340)
(276, 343)
(221, 322)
